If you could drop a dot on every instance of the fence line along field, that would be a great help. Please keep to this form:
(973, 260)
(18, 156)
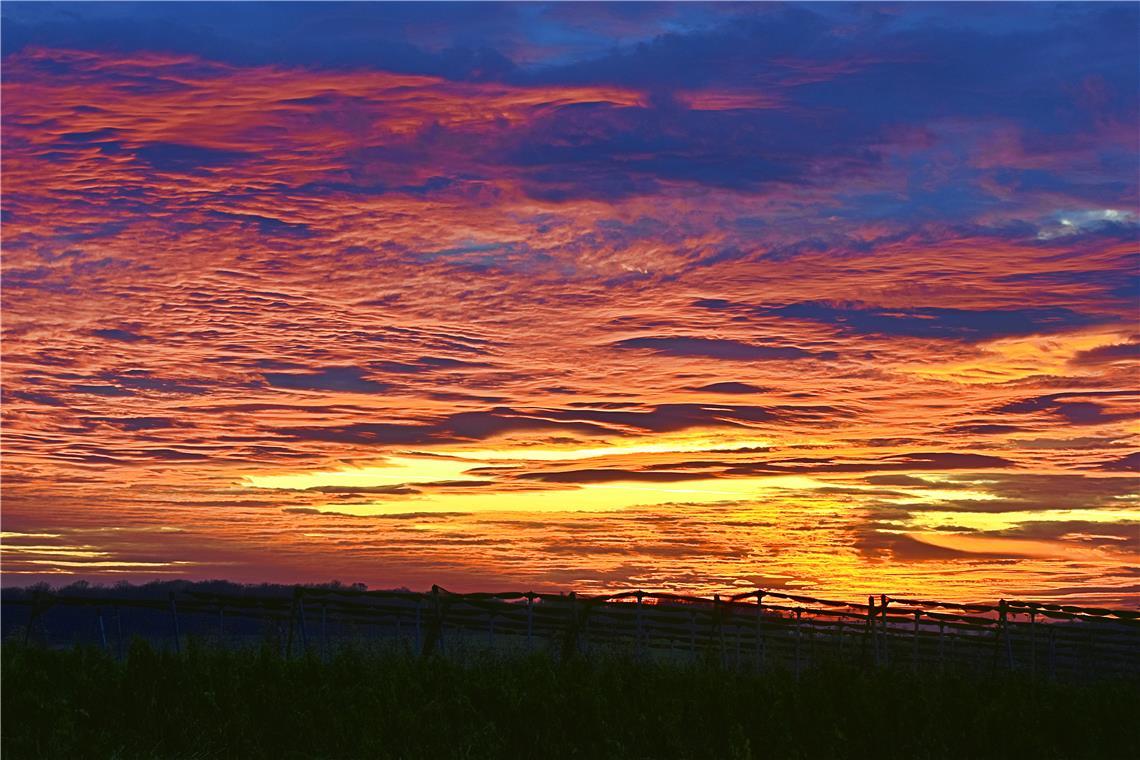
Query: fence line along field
(751, 630)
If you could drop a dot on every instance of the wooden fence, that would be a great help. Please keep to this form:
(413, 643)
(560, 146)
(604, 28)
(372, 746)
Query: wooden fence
(755, 629)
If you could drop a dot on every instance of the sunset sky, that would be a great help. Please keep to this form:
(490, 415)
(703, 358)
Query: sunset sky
(834, 298)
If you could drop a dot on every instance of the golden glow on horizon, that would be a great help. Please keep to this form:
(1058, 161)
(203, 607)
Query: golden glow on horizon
(587, 497)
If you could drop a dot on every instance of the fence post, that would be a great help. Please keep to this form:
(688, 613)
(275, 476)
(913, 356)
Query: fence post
(718, 627)
(33, 616)
(1052, 653)
(434, 634)
(1008, 641)
(869, 633)
(439, 621)
(586, 644)
(693, 634)
(301, 620)
(914, 643)
(1003, 617)
(292, 621)
(103, 632)
(941, 644)
(570, 635)
(799, 634)
(583, 622)
(419, 624)
(736, 629)
(759, 629)
(1033, 642)
(119, 631)
(1090, 652)
(324, 630)
(999, 631)
(811, 653)
(174, 620)
(280, 636)
(884, 627)
(221, 623)
(530, 621)
(640, 628)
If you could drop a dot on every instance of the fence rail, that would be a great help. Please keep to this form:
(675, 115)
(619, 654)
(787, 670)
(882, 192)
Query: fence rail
(752, 629)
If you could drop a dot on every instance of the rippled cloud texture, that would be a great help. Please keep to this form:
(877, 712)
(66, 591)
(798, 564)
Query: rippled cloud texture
(837, 298)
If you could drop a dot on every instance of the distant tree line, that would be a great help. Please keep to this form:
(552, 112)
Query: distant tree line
(163, 589)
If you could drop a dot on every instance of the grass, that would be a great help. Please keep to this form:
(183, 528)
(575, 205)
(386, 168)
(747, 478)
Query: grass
(210, 702)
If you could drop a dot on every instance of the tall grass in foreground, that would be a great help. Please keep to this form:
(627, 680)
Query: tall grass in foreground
(211, 702)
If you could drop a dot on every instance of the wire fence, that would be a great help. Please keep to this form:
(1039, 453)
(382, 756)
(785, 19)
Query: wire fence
(757, 629)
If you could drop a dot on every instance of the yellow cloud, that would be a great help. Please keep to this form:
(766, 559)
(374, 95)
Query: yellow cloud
(1007, 359)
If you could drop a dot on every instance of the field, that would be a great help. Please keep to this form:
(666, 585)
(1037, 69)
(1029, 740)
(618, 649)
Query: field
(210, 702)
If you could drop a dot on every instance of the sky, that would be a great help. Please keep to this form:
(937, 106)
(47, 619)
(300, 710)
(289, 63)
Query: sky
(824, 298)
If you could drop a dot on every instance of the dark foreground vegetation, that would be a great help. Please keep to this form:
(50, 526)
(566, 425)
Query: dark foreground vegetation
(210, 702)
